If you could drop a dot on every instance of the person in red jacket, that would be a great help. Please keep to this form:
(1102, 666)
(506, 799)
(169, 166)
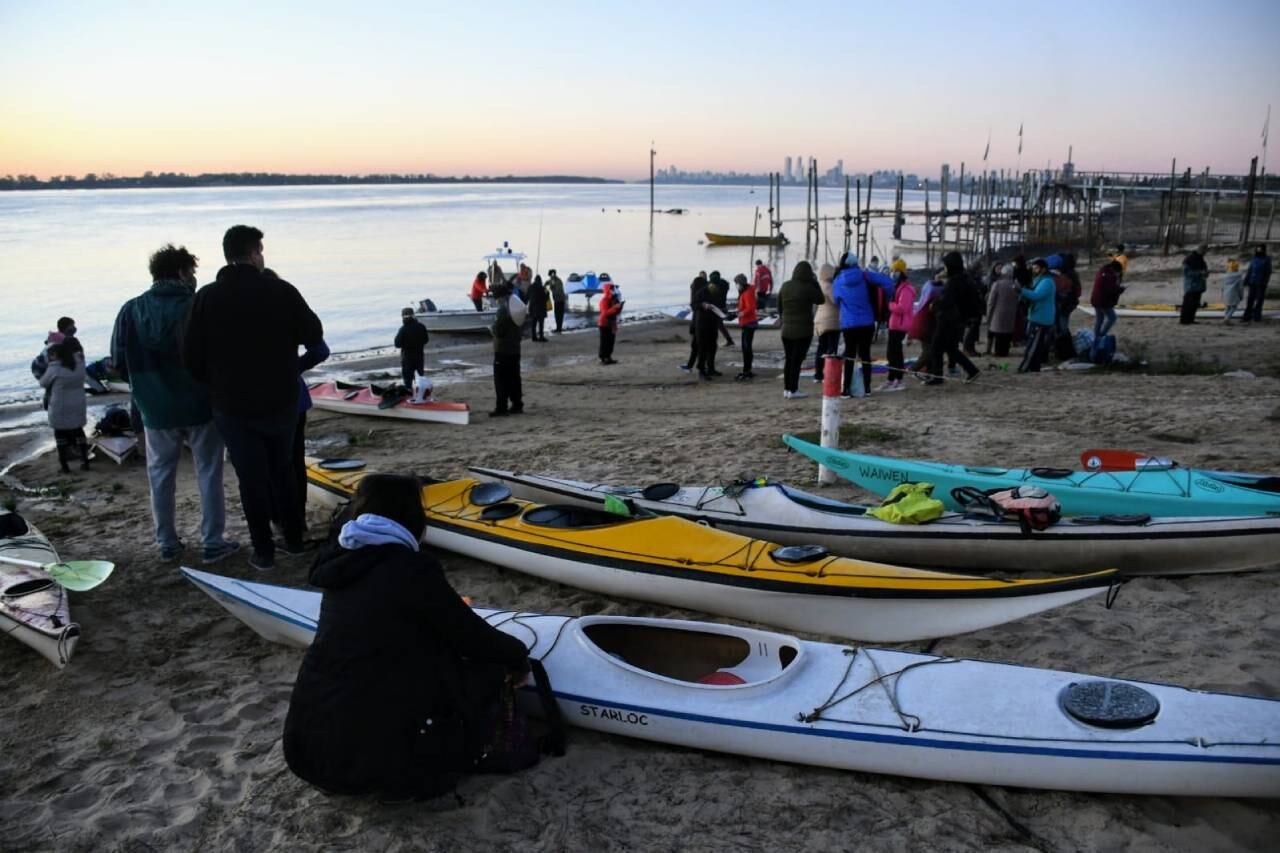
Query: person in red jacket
(748, 320)
(762, 284)
(480, 289)
(1104, 297)
(610, 308)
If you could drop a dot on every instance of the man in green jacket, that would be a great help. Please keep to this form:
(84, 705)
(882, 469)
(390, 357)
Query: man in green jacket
(506, 356)
(558, 299)
(174, 407)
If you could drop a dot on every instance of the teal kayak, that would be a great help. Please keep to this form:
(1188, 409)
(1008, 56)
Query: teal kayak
(1158, 492)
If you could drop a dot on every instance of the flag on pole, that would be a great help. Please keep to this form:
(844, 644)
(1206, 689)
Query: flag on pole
(1019, 139)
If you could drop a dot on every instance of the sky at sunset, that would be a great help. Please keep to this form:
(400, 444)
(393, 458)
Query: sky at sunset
(582, 87)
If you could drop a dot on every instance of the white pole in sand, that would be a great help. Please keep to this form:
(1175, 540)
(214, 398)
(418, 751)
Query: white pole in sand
(832, 380)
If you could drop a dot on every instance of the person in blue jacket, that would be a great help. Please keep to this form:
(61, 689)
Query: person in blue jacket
(1256, 279)
(1040, 316)
(857, 304)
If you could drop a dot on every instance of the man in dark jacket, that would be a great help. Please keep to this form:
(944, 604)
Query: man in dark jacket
(1195, 280)
(396, 694)
(174, 407)
(720, 292)
(1256, 279)
(410, 340)
(506, 356)
(959, 301)
(241, 340)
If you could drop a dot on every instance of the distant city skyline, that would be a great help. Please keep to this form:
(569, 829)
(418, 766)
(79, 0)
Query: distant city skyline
(581, 88)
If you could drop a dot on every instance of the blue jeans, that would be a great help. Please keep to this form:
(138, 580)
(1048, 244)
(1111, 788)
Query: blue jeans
(1103, 320)
(164, 451)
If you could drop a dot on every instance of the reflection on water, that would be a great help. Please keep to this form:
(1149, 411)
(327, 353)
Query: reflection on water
(361, 253)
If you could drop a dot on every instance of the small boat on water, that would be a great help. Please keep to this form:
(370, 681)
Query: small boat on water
(469, 320)
(33, 606)
(762, 694)
(672, 561)
(375, 401)
(745, 240)
(1183, 492)
(770, 510)
(457, 321)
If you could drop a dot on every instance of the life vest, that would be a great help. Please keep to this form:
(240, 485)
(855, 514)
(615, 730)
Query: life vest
(909, 503)
(1031, 506)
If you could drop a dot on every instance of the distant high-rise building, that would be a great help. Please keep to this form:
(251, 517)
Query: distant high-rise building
(788, 172)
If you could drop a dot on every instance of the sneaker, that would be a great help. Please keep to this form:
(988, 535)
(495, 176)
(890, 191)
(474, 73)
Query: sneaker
(786, 395)
(687, 368)
(171, 553)
(892, 386)
(934, 381)
(953, 371)
(716, 373)
(516, 410)
(261, 562)
(817, 379)
(297, 549)
(498, 413)
(796, 395)
(218, 553)
(971, 378)
(728, 343)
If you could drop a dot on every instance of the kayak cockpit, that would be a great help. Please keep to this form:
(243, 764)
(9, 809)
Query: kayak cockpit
(704, 656)
(821, 504)
(565, 517)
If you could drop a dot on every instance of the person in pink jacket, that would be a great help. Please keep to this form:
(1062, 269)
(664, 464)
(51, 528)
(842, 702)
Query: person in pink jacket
(901, 313)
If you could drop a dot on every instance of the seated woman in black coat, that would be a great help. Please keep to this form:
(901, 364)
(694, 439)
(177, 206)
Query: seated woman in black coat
(402, 689)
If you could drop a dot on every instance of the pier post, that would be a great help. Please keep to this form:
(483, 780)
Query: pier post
(832, 380)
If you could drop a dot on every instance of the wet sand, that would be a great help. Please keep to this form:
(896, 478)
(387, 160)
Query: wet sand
(163, 732)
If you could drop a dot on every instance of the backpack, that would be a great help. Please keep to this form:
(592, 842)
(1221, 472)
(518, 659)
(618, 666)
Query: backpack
(1031, 506)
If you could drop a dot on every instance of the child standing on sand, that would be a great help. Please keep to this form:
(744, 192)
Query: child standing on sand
(1232, 288)
(64, 377)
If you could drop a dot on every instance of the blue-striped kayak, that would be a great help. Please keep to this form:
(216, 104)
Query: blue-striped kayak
(763, 694)
(1160, 492)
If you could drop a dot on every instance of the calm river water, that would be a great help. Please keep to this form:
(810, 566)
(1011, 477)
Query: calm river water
(360, 253)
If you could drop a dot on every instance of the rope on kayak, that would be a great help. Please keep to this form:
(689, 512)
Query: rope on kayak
(910, 722)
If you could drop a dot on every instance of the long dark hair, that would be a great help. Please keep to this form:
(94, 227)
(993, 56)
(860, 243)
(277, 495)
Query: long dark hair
(64, 354)
(394, 496)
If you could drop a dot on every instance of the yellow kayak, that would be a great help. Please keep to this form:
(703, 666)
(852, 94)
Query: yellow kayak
(672, 561)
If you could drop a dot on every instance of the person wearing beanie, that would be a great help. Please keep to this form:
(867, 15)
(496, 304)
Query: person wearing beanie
(610, 307)
(901, 314)
(1040, 316)
(411, 339)
(852, 289)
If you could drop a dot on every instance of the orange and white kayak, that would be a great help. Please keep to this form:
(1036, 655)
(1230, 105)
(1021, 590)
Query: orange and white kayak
(378, 402)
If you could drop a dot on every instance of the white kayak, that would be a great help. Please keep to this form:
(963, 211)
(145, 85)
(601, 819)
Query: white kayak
(33, 607)
(780, 513)
(768, 695)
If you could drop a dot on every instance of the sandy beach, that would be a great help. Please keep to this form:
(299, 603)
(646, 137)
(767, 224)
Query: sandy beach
(163, 732)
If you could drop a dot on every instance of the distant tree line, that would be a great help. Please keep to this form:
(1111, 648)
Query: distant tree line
(268, 179)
